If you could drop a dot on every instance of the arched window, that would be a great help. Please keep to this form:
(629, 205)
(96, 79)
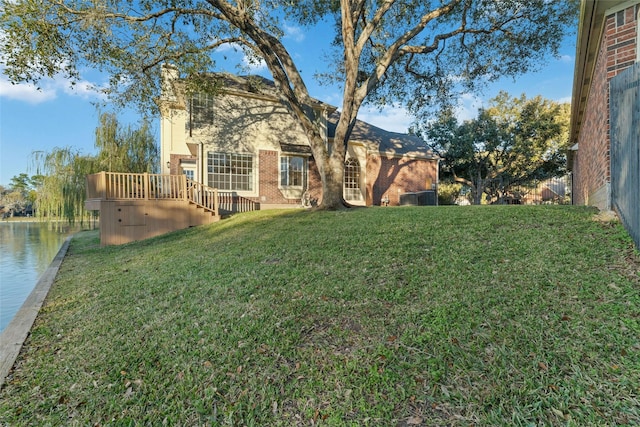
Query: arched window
(352, 189)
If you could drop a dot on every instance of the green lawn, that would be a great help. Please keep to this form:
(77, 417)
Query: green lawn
(485, 316)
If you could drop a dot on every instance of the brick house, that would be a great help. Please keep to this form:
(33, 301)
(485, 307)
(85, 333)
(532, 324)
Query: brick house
(608, 43)
(243, 140)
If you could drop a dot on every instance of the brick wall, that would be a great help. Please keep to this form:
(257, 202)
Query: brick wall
(385, 176)
(617, 52)
(268, 177)
(391, 176)
(174, 160)
(268, 173)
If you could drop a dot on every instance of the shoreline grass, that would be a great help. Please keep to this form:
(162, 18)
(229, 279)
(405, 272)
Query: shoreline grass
(384, 317)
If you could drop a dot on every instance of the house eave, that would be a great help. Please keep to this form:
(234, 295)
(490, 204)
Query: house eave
(416, 155)
(590, 32)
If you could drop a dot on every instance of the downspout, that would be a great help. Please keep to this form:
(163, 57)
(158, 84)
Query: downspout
(200, 164)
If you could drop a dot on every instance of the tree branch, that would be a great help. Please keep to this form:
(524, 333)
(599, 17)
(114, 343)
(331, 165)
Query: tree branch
(130, 18)
(187, 52)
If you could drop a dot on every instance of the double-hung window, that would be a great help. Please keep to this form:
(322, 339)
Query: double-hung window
(230, 171)
(293, 171)
(200, 110)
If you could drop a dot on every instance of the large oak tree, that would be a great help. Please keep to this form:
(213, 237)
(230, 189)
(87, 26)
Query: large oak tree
(514, 142)
(415, 52)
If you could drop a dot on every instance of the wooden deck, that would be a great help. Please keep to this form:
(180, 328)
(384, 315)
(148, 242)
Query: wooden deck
(138, 206)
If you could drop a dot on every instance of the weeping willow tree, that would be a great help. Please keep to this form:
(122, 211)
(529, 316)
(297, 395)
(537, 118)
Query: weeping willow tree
(62, 191)
(125, 149)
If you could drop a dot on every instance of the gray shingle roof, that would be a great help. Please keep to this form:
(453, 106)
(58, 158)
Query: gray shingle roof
(390, 143)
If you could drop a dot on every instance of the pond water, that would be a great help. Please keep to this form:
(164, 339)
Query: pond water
(26, 250)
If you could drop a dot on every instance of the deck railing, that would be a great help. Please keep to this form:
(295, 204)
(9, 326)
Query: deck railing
(135, 186)
(145, 186)
(202, 195)
(232, 203)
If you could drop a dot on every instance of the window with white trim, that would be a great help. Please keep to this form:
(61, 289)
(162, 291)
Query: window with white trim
(189, 173)
(230, 171)
(201, 110)
(352, 189)
(293, 171)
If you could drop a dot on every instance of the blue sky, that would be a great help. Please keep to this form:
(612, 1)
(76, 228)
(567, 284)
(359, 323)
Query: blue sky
(58, 116)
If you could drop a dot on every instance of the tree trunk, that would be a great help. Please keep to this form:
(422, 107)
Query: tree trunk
(478, 191)
(332, 197)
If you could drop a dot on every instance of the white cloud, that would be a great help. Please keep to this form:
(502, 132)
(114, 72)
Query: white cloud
(253, 64)
(566, 58)
(467, 107)
(229, 47)
(391, 118)
(330, 97)
(240, 56)
(83, 89)
(293, 32)
(48, 90)
(25, 92)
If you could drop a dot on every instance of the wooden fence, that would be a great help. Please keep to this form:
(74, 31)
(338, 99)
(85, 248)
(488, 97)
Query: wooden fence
(624, 104)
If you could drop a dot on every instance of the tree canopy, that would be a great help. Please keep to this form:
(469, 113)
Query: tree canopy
(418, 52)
(513, 142)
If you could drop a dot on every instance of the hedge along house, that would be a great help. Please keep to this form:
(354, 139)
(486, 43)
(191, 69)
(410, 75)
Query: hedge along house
(241, 139)
(607, 46)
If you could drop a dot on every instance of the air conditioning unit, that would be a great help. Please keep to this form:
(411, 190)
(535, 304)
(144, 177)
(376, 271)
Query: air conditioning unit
(420, 198)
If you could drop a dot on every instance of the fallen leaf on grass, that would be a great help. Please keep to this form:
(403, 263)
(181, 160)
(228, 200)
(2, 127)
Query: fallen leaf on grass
(128, 393)
(558, 412)
(414, 421)
(542, 366)
(445, 391)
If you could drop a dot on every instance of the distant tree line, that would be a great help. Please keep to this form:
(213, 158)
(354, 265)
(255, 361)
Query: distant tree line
(18, 199)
